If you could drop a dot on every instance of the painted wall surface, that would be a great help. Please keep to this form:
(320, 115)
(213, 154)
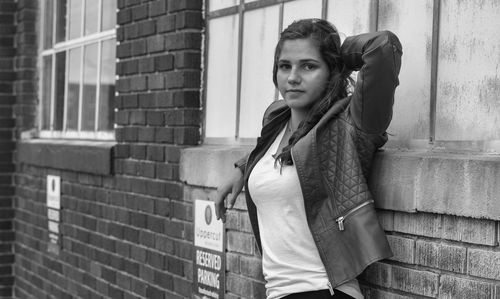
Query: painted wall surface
(468, 105)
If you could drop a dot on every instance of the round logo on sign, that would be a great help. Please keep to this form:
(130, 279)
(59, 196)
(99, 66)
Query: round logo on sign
(208, 214)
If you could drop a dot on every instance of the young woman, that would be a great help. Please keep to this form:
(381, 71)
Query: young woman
(306, 180)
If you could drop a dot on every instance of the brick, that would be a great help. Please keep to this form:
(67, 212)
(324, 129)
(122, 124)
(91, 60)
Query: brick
(176, 5)
(164, 62)
(251, 267)
(146, 65)
(147, 100)
(240, 242)
(441, 256)
(164, 135)
(421, 224)
(403, 249)
(140, 12)
(238, 285)
(138, 47)
(164, 244)
(124, 16)
(415, 281)
(137, 117)
(183, 287)
(166, 23)
(466, 230)
(386, 219)
(189, 20)
(186, 99)
(168, 171)
(456, 287)
(146, 134)
(156, 81)
(381, 294)
(146, 28)
(187, 135)
(379, 274)
(189, 60)
(484, 263)
(156, 153)
(156, 43)
(183, 40)
(138, 151)
(158, 7)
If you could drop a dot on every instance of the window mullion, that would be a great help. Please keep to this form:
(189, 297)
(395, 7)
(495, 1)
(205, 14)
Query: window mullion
(80, 91)
(66, 87)
(98, 86)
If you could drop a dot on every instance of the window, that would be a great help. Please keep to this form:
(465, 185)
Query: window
(241, 36)
(448, 93)
(77, 86)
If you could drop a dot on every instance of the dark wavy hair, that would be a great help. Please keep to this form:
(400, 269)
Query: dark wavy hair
(327, 39)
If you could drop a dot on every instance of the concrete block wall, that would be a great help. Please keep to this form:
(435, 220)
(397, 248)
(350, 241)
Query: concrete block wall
(126, 228)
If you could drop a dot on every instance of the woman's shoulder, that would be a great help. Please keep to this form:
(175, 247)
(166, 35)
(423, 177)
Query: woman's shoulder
(274, 109)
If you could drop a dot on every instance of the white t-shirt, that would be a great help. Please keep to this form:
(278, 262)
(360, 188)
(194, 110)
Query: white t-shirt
(290, 258)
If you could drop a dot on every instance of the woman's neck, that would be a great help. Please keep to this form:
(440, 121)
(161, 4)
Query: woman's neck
(296, 117)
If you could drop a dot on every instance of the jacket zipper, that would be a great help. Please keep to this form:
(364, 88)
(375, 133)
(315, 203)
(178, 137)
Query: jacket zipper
(341, 219)
(330, 288)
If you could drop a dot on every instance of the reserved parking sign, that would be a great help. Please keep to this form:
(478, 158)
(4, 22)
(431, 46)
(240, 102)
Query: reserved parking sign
(209, 258)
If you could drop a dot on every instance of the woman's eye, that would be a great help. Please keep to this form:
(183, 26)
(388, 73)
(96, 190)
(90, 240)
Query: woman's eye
(284, 66)
(309, 67)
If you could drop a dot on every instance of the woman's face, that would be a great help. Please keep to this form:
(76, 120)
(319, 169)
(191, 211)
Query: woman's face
(302, 73)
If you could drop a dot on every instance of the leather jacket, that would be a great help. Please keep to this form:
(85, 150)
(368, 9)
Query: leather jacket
(333, 160)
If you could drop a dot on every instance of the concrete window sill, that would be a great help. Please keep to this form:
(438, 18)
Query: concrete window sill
(94, 157)
(421, 181)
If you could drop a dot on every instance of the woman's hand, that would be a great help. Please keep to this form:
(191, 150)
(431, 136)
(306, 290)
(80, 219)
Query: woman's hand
(232, 186)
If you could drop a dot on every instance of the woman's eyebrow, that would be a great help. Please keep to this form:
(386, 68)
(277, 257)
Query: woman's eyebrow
(301, 60)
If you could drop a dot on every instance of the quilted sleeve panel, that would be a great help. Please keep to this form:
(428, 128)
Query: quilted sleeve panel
(340, 167)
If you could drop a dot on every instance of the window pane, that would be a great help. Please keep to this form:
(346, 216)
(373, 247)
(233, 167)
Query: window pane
(222, 73)
(75, 18)
(108, 14)
(61, 20)
(257, 88)
(107, 88)
(300, 9)
(468, 106)
(59, 90)
(89, 87)
(220, 4)
(48, 24)
(411, 105)
(74, 71)
(46, 91)
(91, 16)
(352, 16)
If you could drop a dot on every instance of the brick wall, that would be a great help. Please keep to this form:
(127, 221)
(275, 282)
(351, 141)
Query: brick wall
(128, 233)
(7, 125)
(437, 256)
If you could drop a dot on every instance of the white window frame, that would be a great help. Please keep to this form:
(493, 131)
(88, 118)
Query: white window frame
(64, 46)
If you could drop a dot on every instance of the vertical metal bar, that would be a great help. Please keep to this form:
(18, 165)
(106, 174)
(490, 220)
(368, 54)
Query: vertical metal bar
(324, 9)
(280, 28)
(375, 13)
(434, 69)
(204, 65)
(66, 87)
(241, 9)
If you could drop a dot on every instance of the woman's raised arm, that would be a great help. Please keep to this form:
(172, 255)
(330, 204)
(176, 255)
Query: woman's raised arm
(377, 57)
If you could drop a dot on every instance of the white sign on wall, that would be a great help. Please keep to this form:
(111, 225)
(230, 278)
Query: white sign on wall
(209, 260)
(53, 211)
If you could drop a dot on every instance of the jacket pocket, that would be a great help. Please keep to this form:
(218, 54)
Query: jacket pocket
(341, 219)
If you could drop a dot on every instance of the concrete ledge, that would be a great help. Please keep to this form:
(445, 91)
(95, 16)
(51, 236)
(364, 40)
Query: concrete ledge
(443, 183)
(208, 165)
(74, 155)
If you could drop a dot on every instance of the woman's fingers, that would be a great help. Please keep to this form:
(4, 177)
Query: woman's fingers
(220, 209)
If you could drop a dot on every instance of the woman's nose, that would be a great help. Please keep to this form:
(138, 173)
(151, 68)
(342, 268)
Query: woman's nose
(294, 76)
